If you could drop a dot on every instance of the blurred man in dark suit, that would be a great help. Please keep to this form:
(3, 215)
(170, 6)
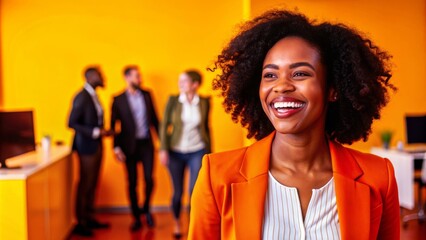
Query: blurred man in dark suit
(133, 112)
(86, 118)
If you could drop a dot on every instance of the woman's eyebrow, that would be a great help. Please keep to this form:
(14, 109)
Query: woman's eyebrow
(299, 64)
(273, 66)
(293, 65)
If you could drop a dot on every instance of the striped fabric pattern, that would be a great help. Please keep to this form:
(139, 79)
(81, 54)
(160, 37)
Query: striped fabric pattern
(283, 215)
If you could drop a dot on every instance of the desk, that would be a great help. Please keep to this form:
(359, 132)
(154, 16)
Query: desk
(403, 164)
(35, 200)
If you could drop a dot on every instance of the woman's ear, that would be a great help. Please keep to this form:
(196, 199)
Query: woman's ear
(332, 95)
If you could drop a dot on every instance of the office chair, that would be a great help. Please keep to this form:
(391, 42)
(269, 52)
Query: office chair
(416, 134)
(420, 214)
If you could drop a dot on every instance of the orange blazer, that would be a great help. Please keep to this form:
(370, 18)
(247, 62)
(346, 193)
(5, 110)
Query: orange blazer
(229, 195)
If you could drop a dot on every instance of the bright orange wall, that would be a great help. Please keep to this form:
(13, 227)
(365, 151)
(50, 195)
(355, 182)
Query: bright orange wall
(45, 44)
(395, 25)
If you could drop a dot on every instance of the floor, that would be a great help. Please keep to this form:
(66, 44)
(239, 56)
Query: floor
(414, 230)
(120, 223)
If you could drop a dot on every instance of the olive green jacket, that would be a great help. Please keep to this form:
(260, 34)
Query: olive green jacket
(171, 126)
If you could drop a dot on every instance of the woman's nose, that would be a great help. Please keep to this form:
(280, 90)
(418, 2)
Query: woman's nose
(284, 85)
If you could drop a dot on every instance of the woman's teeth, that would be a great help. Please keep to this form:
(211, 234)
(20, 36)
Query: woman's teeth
(288, 104)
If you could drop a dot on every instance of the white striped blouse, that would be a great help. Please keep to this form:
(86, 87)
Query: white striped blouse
(283, 215)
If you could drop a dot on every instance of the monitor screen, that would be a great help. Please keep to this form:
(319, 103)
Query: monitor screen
(416, 129)
(16, 134)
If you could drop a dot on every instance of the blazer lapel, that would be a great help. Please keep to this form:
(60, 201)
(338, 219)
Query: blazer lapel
(203, 109)
(248, 198)
(92, 106)
(177, 119)
(353, 197)
(147, 102)
(127, 112)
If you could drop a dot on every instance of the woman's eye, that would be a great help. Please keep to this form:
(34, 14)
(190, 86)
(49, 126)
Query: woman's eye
(268, 75)
(301, 74)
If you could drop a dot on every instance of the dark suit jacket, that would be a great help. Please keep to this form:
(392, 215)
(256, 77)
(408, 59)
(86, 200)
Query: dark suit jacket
(121, 112)
(83, 119)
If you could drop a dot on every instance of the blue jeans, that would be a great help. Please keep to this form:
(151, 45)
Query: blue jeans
(177, 164)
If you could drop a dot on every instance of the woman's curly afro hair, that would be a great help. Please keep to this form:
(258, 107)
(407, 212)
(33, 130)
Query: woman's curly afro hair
(355, 68)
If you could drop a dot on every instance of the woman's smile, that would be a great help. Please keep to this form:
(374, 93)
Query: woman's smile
(284, 107)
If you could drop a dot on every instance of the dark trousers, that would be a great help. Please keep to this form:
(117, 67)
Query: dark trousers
(177, 164)
(144, 152)
(89, 173)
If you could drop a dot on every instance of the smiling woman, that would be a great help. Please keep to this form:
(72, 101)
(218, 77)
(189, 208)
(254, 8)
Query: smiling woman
(302, 88)
(293, 64)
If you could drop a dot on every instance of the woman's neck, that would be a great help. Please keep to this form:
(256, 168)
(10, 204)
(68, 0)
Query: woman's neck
(303, 154)
(190, 96)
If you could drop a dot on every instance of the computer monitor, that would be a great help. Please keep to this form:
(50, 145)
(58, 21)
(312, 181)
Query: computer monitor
(16, 134)
(416, 129)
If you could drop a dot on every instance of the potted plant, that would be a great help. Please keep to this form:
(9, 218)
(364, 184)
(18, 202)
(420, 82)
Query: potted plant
(386, 137)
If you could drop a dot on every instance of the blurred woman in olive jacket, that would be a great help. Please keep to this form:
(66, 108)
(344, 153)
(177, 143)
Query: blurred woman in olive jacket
(185, 137)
